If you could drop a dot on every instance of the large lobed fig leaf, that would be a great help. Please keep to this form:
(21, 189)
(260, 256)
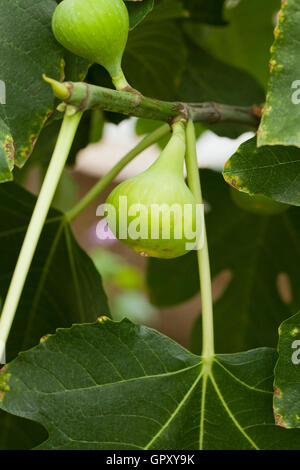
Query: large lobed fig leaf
(28, 49)
(120, 386)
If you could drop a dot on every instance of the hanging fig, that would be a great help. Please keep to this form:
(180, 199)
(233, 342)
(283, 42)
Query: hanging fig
(155, 212)
(258, 204)
(96, 30)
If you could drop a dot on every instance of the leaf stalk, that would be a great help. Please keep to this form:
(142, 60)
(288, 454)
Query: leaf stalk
(202, 253)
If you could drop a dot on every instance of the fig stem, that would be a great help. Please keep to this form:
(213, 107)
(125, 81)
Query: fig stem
(56, 166)
(102, 184)
(120, 81)
(175, 149)
(202, 254)
(84, 96)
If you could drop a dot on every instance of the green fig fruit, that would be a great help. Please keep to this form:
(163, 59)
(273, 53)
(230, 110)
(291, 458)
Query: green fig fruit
(257, 204)
(155, 212)
(94, 29)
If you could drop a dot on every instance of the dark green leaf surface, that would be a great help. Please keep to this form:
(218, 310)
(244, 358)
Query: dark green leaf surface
(155, 54)
(167, 10)
(138, 11)
(255, 250)
(63, 285)
(28, 49)
(173, 281)
(206, 12)
(245, 42)
(209, 79)
(273, 171)
(287, 377)
(121, 386)
(280, 123)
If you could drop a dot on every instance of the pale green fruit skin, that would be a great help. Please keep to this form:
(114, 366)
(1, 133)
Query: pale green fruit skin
(94, 29)
(258, 204)
(155, 186)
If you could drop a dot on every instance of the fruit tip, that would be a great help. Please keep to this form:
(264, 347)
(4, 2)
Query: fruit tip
(59, 89)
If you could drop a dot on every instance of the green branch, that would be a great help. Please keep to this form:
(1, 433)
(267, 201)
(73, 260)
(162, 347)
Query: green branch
(82, 96)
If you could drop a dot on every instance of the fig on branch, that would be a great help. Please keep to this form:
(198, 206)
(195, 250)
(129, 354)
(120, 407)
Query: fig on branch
(258, 203)
(155, 212)
(96, 30)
